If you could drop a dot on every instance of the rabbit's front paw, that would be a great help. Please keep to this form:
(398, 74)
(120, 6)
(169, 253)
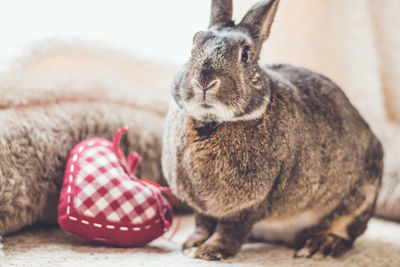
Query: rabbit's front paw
(217, 247)
(196, 239)
(210, 252)
(322, 245)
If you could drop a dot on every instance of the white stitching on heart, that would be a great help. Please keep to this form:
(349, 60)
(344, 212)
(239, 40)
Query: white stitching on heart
(98, 225)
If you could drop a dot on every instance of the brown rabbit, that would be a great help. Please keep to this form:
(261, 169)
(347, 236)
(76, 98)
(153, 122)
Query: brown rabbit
(274, 153)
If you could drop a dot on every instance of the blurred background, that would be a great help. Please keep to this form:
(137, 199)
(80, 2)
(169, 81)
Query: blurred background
(154, 29)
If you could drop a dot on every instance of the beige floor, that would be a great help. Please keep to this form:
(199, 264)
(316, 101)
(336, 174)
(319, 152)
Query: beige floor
(379, 246)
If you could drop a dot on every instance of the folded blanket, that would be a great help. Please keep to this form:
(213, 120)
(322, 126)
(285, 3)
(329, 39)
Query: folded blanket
(62, 93)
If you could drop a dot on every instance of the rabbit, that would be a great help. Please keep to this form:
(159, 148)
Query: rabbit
(267, 153)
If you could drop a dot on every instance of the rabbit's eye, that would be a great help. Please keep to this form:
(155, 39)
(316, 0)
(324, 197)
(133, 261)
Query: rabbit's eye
(245, 54)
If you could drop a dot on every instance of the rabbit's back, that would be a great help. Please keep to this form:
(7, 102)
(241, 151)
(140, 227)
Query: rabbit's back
(322, 101)
(318, 105)
(334, 152)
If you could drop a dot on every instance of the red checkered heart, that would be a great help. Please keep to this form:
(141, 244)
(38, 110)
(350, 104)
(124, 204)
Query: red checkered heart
(102, 200)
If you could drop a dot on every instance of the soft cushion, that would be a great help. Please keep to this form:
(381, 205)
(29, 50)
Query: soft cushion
(102, 199)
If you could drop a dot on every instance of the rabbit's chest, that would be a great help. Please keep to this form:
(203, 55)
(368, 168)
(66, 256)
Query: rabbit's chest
(223, 172)
(217, 169)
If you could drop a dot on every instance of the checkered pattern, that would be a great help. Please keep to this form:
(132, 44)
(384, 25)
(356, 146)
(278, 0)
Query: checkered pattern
(103, 190)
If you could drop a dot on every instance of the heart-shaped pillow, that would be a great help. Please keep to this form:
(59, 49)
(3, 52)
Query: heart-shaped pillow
(102, 200)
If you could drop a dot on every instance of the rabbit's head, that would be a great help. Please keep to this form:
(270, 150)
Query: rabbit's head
(222, 81)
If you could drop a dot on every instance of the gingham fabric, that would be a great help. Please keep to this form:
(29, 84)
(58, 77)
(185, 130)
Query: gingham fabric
(102, 200)
(103, 188)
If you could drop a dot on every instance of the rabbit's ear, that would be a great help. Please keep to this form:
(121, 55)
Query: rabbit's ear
(221, 12)
(258, 20)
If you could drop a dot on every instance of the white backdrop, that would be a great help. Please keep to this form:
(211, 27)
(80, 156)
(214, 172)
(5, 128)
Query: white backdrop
(161, 29)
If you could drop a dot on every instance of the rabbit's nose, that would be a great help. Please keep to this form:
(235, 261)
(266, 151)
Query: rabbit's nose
(211, 85)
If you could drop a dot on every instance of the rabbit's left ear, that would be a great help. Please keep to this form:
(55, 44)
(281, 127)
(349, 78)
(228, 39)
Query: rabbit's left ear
(258, 21)
(221, 12)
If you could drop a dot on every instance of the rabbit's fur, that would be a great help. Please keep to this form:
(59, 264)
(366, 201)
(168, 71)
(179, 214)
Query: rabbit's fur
(272, 153)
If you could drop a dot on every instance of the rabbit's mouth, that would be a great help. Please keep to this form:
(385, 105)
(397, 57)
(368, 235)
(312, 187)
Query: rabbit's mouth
(203, 100)
(207, 110)
(206, 106)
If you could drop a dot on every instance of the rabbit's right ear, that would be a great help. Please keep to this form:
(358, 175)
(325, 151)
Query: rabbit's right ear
(221, 12)
(258, 21)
